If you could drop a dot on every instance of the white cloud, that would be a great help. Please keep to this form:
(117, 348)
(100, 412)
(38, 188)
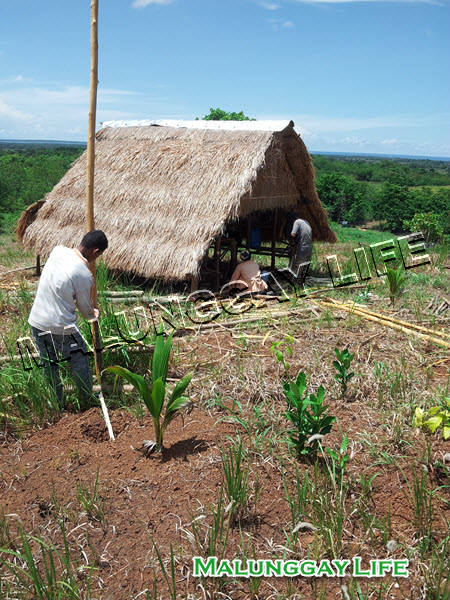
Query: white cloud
(61, 112)
(424, 134)
(270, 5)
(278, 24)
(144, 3)
(10, 112)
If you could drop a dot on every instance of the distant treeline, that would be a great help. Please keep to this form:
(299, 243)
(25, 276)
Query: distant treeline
(27, 173)
(352, 189)
(392, 191)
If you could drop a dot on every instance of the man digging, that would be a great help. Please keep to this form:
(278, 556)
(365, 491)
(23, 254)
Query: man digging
(66, 284)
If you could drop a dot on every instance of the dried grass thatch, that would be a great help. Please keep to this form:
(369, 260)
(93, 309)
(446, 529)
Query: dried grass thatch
(27, 217)
(162, 194)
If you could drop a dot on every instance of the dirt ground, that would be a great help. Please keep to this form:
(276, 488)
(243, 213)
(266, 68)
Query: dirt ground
(154, 499)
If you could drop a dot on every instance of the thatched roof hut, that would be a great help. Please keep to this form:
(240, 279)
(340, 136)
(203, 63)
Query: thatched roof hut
(163, 193)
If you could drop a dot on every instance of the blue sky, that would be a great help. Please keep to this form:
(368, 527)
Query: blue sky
(365, 76)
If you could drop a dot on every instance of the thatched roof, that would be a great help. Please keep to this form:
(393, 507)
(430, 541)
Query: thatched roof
(162, 194)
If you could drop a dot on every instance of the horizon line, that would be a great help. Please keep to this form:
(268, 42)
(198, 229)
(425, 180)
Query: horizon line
(333, 152)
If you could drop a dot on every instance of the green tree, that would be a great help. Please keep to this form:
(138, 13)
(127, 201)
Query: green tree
(428, 224)
(395, 205)
(344, 198)
(217, 114)
(27, 174)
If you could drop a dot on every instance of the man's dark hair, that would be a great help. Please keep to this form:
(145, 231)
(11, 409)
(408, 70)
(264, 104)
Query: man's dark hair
(95, 239)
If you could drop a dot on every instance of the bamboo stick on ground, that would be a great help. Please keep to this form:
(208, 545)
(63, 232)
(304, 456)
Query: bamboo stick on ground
(409, 330)
(387, 318)
(124, 293)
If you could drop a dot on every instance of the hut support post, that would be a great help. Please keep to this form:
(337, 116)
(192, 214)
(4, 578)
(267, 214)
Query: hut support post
(249, 230)
(194, 283)
(38, 265)
(274, 239)
(233, 245)
(217, 260)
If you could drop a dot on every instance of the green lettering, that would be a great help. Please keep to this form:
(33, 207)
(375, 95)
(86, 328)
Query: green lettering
(308, 568)
(357, 571)
(340, 566)
(399, 568)
(237, 564)
(291, 568)
(208, 569)
(274, 568)
(325, 569)
(225, 568)
(255, 572)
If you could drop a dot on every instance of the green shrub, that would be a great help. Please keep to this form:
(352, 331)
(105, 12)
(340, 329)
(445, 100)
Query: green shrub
(308, 414)
(342, 365)
(437, 417)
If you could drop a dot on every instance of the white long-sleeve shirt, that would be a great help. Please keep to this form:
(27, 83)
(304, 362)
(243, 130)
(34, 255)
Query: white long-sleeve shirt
(65, 283)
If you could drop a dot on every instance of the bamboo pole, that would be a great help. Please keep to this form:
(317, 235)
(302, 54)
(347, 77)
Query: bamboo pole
(398, 321)
(410, 330)
(90, 196)
(91, 125)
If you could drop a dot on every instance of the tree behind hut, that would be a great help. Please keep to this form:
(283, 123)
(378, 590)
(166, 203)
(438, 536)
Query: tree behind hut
(217, 114)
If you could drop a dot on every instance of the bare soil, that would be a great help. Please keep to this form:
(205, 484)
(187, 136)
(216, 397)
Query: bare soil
(146, 499)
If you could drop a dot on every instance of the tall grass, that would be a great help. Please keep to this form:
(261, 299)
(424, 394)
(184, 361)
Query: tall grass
(35, 568)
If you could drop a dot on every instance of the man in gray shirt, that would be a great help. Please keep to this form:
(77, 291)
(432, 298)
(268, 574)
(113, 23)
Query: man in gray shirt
(66, 284)
(301, 250)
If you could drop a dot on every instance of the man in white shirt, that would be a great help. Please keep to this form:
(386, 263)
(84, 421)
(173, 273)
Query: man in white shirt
(66, 284)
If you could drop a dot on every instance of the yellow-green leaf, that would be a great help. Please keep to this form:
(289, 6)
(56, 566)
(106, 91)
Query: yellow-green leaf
(418, 417)
(434, 422)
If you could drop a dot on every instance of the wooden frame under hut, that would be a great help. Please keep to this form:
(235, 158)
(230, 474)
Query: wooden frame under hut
(165, 191)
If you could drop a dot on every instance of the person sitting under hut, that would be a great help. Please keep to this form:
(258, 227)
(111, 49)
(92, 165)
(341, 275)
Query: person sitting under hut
(248, 275)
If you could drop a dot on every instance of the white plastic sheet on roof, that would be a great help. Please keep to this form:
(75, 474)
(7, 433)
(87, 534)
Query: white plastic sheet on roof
(228, 125)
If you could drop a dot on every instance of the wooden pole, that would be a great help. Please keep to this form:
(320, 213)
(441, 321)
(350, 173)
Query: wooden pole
(194, 283)
(90, 196)
(91, 129)
(274, 239)
(249, 230)
(233, 265)
(217, 260)
(91, 168)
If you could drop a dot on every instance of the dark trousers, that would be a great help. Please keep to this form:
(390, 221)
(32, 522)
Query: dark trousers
(299, 266)
(71, 348)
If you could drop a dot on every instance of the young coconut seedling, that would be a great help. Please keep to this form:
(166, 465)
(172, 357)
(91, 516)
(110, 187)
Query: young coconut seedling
(395, 282)
(154, 396)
